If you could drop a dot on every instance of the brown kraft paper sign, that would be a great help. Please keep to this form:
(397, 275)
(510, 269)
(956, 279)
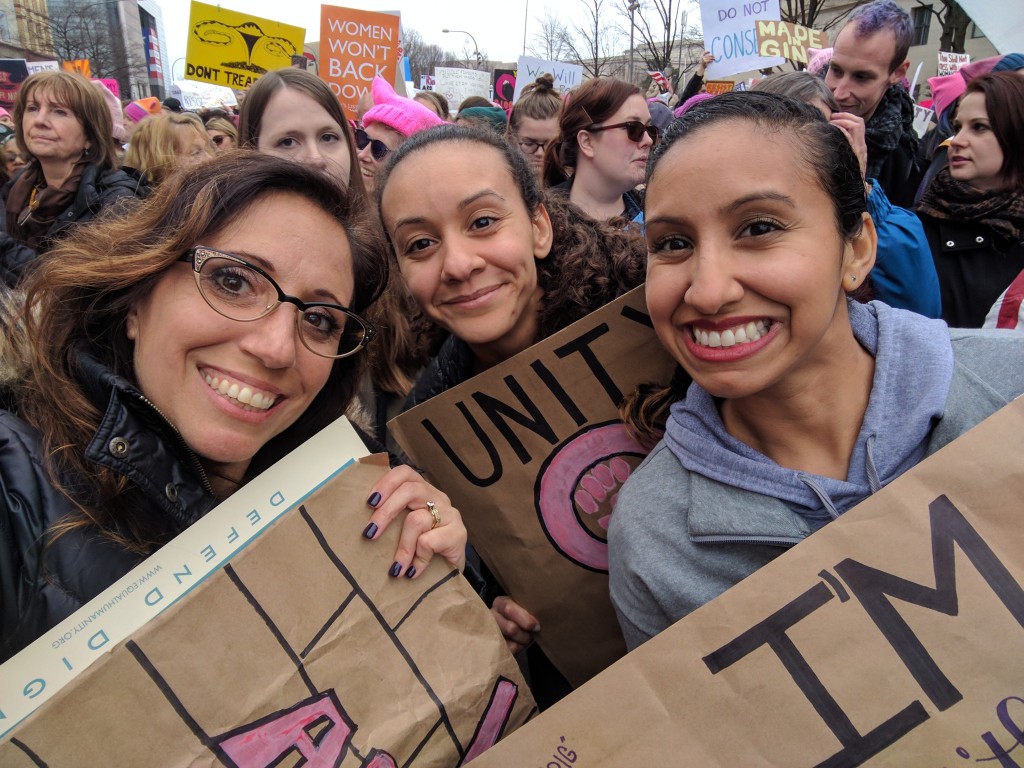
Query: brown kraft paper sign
(892, 637)
(301, 651)
(533, 452)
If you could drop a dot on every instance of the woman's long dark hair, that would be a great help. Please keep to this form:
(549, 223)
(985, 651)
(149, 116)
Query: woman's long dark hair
(80, 294)
(590, 262)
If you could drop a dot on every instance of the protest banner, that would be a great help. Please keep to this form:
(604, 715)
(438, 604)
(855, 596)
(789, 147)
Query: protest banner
(892, 636)
(303, 648)
(13, 72)
(715, 87)
(233, 49)
(456, 84)
(790, 41)
(81, 66)
(567, 76)
(355, 47)
(532, 452)
(922, 119)
(194, 96)
(40, 670)
(730, 34)
(504, 88)
(951, 63)
(42, 66)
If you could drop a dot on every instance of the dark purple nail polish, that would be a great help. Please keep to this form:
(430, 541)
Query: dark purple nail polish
(411, 572)
(374, 499)
(371, 531)
(396, 570)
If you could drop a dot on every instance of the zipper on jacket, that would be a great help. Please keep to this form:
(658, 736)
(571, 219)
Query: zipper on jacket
(181, 441)
(789, 541)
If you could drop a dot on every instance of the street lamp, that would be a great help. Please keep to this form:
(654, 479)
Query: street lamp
(632, 9)
(174, 65)
(476, 48)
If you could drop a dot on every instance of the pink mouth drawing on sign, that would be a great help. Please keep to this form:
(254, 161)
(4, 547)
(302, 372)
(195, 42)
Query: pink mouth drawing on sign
(577, 487)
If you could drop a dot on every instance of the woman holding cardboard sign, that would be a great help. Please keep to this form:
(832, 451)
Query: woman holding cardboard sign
(492, 260)
(804, 402)
(162, 379)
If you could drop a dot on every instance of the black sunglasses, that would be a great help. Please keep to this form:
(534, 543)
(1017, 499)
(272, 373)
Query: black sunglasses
(635, 130)
(378, 148)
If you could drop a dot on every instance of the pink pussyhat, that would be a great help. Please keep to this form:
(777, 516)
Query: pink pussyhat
(406, 116)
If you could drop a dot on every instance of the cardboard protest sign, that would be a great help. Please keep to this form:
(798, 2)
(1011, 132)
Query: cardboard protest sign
(40, 670)
(355, 47)
(456, 84)
(81, 66)
(302, 649)
(951, 63)
(567, 76)
(233, 49)
(504, 88)
(790, 41)
(532, 453)
(730, 34)
(893, 636)
(13, 72)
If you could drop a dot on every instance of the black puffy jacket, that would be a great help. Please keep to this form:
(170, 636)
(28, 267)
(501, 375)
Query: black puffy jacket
(97, 191)
(40, 586)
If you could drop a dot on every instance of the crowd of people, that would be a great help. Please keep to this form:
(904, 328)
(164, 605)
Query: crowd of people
(819, 274)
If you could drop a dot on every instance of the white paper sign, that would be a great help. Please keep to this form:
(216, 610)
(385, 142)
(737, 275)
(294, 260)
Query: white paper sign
(730, 33)
(950, 63)
(922, 118)
(567, 76)
(42, 66)
(457, 84)
(43, 668)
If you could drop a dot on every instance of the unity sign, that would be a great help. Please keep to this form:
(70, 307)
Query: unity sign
(533, 452)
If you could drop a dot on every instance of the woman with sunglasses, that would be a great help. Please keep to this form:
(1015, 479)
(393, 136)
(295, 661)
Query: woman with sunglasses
(162, 378)
(293, 114)
(390, 121)
(605, 138)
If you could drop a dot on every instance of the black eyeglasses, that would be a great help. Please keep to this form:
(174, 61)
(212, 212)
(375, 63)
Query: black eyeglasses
(242, 291)
(635, 130)
(378, 148)
(530, 147)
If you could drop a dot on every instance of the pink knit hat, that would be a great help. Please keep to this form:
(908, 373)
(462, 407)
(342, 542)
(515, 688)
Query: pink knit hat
(691, 102)
(406, 116)
(116, 115)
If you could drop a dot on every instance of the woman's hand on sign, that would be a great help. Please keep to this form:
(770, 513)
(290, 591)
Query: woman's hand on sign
(517, 624)
(425, 532)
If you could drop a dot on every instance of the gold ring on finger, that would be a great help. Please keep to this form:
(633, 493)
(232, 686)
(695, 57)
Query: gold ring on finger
(435, 516)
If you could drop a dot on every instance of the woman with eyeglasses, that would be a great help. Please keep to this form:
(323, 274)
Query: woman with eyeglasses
(533, 124)
(390, 121)
(222, 133)
(173, 355)
(500, 265)
(601, 154)
(293, 114)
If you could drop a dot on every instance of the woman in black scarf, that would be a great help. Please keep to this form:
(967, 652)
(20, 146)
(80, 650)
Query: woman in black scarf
(65, 129)
(973, 211)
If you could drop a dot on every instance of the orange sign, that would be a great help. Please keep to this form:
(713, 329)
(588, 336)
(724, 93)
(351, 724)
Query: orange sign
(355, 47)
(81, 66)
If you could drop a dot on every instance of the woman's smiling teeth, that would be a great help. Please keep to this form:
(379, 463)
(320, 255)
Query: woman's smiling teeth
(741, 334)
(249, 398)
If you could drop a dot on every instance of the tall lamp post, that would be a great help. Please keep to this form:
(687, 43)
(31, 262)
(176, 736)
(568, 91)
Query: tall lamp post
(476, 48)
(632, 28)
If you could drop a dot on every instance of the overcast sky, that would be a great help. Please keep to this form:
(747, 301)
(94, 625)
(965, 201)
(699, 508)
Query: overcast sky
(497, 27)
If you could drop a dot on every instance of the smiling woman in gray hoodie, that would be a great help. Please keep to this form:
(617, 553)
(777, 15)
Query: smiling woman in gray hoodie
(804, 402)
